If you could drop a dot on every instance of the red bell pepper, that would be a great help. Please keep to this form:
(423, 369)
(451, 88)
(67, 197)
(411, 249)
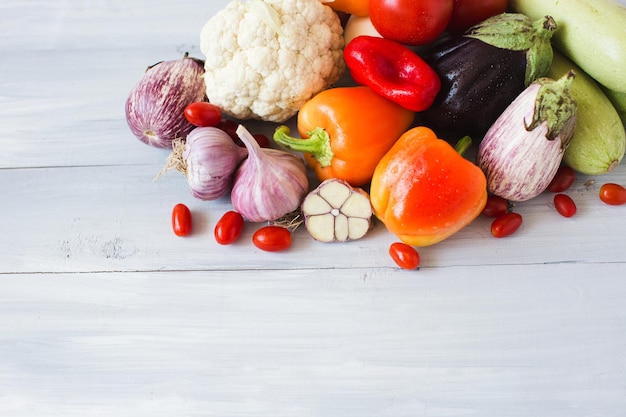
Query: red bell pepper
(393, 71)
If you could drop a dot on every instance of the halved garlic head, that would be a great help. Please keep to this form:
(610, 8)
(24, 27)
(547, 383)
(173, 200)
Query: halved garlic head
(337, 212)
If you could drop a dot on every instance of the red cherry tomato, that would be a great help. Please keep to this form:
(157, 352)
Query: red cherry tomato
(613, 194)
(181, 220)
(272, 238)
(405, 256)
(506, 224)
(564, 205)
(230, 127)
(496, 206)
(262, 140)
(467, 13)
(411, 22)
(563, 179)
(228, 228)
(203, 114)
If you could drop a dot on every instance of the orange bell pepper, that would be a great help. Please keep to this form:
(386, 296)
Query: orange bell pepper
(345, 131)
(424, 190)
(355, 7)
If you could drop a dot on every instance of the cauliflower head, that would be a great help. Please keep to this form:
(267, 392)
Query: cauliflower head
(266, 58)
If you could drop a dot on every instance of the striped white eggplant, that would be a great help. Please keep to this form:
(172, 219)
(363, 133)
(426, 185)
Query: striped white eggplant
(523, 149)
(155, 106)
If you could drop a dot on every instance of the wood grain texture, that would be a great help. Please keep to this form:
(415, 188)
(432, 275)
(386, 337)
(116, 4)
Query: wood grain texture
(503, 341)
(103, 311)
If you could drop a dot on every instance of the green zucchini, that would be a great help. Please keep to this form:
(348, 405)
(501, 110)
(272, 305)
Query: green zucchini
(599, 140)
(592, 33)
(619, 101)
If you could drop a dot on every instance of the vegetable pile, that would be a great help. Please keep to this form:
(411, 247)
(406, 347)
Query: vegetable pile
(429, 80)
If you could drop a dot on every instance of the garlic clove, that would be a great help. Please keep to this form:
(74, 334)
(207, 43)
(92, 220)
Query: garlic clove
(358, 227)
(335, 193)
(322, 227)
(316, 205)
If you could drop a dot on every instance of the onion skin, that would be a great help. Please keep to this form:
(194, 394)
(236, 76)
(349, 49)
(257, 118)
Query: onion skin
(155, 106)
(522, 151)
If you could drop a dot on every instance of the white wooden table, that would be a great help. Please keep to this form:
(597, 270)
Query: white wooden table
(104, 312)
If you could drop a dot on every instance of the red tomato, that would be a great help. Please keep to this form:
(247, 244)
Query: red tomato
(228, 228)
(230, 127)
(506, 225)
(181, 220)
(613, 194)
(272, 238)
(563, 179)
(203, 114)
(405, 256)
(467, 13)
(496, 206)
(411, 22)
(262, 140)
(564, 205)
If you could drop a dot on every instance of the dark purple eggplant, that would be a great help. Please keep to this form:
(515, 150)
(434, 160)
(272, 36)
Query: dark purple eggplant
(155, 106)
(484, 70)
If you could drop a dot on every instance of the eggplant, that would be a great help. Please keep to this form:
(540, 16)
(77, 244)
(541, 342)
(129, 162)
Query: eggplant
(155, 106)
(483, 70)
(522, 151)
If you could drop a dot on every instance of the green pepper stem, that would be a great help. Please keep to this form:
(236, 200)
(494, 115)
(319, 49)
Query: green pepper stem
(463, 145)
(317, 144)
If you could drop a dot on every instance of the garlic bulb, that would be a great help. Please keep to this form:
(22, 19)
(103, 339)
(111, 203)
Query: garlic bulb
(209, 159)
(269, 183)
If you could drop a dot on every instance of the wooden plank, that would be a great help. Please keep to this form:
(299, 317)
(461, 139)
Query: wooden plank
(466, 341)
(116, 218)
(103, 311)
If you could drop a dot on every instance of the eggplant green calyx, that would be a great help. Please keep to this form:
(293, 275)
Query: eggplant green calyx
(317, 144)
(555, 105)
(517, 32)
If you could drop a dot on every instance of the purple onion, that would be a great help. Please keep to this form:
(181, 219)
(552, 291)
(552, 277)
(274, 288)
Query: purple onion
(155, 106)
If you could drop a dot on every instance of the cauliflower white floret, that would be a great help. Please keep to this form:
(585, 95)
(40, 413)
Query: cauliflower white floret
(266, 58)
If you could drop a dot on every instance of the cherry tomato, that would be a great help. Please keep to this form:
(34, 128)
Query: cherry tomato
(272, 238)
(563, 179)
(203, 114)
(228, 228)
(411, 22)
(496, 206)
(181, 220)
(405, 256)
(467, 13)
(262, 140)
(506, 224)
(564, 205)
(230, 127)
(613, 194)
